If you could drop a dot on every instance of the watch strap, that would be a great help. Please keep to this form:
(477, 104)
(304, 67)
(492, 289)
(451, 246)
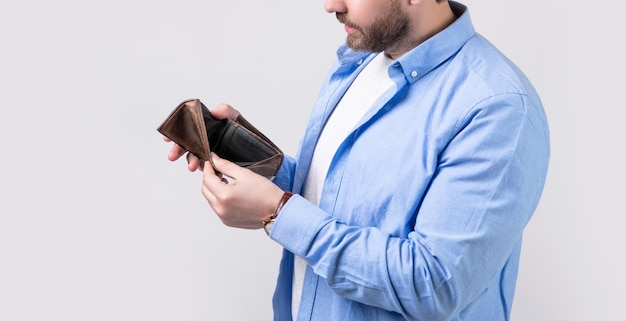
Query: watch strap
(272, 218)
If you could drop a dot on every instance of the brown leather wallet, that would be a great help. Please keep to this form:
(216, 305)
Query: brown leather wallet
(191, 126)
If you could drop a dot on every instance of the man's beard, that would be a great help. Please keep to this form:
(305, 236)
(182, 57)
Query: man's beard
(386, 31)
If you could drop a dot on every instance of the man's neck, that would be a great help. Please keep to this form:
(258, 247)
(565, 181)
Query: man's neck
(427, 19)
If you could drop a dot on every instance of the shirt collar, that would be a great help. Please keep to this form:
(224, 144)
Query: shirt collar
(428, 55)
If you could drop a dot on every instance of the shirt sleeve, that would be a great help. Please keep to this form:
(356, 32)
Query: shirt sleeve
(284, 177)
(486, 187)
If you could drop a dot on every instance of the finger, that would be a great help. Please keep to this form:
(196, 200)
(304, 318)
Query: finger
(210, 197)
(217, 173)
(212, 176)
(212, 181)
(223, 111)
(225, 178)
(193, 162)
(208, 168)
(176, 152)
(226, 167)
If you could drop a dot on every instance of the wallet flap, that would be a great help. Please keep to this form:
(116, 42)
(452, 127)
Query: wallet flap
(267, 167)
(186, 127)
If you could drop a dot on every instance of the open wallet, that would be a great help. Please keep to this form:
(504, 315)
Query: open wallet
(191, 126)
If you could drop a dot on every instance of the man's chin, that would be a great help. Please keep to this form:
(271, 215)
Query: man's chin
(355, 44)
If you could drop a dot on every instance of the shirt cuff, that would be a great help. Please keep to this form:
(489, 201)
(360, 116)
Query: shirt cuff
(297, 224)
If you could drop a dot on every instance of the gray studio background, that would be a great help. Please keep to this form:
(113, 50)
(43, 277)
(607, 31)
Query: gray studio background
(96, 223)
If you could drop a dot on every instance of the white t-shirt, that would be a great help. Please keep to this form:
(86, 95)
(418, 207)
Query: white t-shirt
(370, 84)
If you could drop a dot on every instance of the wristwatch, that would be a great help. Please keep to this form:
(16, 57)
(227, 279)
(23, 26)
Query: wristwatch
(267, 223)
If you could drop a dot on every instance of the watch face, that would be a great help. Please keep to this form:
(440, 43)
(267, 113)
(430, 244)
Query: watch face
(268, 226)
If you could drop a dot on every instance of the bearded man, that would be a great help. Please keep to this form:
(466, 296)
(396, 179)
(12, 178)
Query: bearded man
(424, 158)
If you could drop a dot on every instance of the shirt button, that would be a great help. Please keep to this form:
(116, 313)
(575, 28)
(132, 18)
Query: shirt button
(413, 73)
(360, 62)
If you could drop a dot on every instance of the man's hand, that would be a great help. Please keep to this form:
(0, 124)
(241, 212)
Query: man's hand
(240, 197)
(244, 199)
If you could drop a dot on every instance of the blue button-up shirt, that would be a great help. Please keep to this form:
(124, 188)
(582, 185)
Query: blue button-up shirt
(424, 204)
